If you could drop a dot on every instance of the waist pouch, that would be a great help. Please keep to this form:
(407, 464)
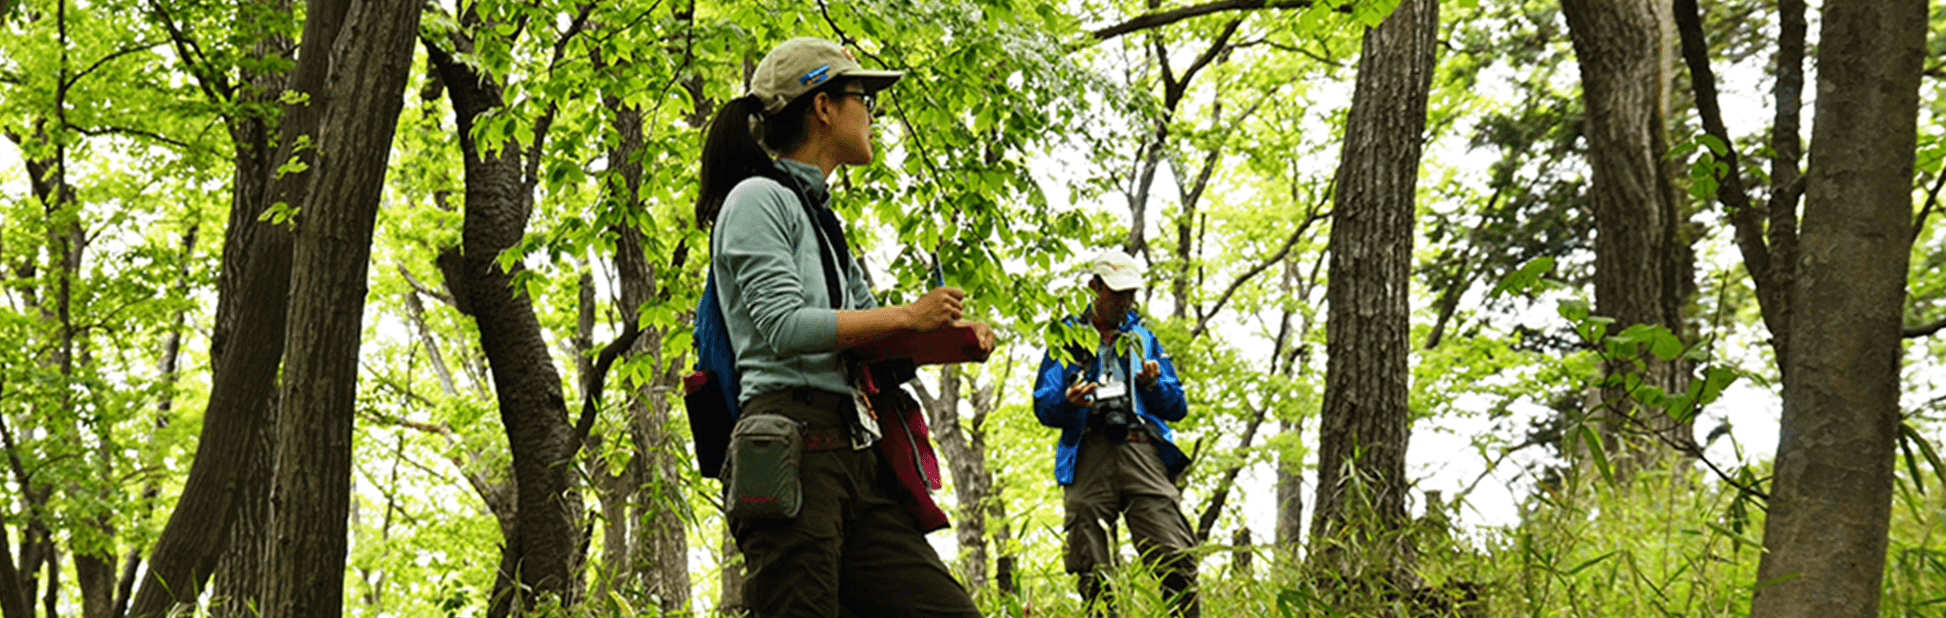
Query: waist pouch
(764, 454)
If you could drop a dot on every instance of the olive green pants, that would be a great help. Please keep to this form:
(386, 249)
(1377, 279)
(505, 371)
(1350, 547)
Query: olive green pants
(1126, 479)
(853, 550)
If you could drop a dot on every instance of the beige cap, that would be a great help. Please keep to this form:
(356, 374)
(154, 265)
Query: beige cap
(800, 65)
(1118, 270)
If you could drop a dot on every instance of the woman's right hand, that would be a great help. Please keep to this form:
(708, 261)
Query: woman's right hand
(937, 309)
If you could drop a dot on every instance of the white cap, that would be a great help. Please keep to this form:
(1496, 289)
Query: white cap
(1117, 270)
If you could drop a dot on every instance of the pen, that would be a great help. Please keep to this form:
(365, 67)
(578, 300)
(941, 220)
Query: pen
(938, 274)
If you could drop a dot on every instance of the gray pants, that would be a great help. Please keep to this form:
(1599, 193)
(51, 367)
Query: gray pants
(853, 550)
(1126, 479)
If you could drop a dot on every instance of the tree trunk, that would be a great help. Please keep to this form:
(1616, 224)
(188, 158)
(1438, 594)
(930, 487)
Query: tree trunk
(36, 540)
(369, 49)
(1006, 568)
(1290, 349)
(965, 453)
(238, 583)
(1290, 501)
(95, 572)
(540, 559)
(729, 601)
(660, 534)
(237, 586)
(1830, 504)
(1365, 420)
(1642, 264)
(13, 600)
(253, 293)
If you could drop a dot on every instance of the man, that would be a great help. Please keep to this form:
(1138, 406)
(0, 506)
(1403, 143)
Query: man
(1112, 405)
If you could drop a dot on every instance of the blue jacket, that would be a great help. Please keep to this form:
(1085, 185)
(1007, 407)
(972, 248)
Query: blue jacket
(1156, 405)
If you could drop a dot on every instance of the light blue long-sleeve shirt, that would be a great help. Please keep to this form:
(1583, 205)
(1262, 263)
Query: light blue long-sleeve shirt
(770, 281)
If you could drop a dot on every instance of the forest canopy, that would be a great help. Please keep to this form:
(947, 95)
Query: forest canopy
(1481, 308)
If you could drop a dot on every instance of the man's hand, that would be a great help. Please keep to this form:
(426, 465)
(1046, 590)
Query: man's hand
(1081, 393)
(937, 309)
(1150, 371)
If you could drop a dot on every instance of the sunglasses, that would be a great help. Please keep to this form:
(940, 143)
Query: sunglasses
(870, 100)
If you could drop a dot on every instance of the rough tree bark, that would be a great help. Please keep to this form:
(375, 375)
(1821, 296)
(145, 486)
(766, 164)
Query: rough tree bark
(1642, 263)
(656, 553)
(224, 499)
(541, 558)
(369, 48)
(964, 447)
(1365, 419)
(1830, 504)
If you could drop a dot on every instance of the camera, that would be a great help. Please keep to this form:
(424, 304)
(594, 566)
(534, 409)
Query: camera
(1112, 411)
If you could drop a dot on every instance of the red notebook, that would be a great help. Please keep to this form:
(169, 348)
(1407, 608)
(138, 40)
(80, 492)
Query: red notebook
(953, 344)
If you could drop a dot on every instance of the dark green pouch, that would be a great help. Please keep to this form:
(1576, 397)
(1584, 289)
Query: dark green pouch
(765, 450)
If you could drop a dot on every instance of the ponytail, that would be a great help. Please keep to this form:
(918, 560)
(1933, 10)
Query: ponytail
(730, 154)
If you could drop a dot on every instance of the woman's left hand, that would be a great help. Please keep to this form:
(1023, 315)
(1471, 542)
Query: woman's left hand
(981, 331)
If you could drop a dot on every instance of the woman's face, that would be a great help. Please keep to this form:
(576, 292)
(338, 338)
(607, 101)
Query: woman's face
(851, 110)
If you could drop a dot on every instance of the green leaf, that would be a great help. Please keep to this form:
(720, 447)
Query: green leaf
(1715, 145)
(1524, 278)
(1911, 463)
(1734, 536)
(1573, 310)
(1600, 456)
(1715, 379)
(1665, 345)
(1926, 449)
(1591, 562)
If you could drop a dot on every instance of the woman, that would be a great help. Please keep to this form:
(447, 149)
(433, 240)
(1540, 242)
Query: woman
(793, 300)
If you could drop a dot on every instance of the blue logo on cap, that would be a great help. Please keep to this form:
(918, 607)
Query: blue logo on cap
(816, 76)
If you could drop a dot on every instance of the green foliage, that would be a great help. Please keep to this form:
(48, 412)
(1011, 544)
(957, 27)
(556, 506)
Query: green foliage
(1003, 158)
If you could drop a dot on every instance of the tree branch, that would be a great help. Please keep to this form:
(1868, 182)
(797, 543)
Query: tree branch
(1206, 521)
(1216, 48)
(1744, 216)
(1203, 318)
(100, 131)
(597, 379)
(193, 59)
(1915, 332)
(428, 291)
(76, 78)
(1157, 20)
(1932, 200)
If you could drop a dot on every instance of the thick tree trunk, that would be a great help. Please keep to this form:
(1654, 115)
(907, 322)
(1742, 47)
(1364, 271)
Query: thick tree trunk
(1830, 504)
(13, 600)
(253, 292)
(238, 584)
(540, 559)
(95, 572)
(1366, 422)
(369, 47)
(1642, 265)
